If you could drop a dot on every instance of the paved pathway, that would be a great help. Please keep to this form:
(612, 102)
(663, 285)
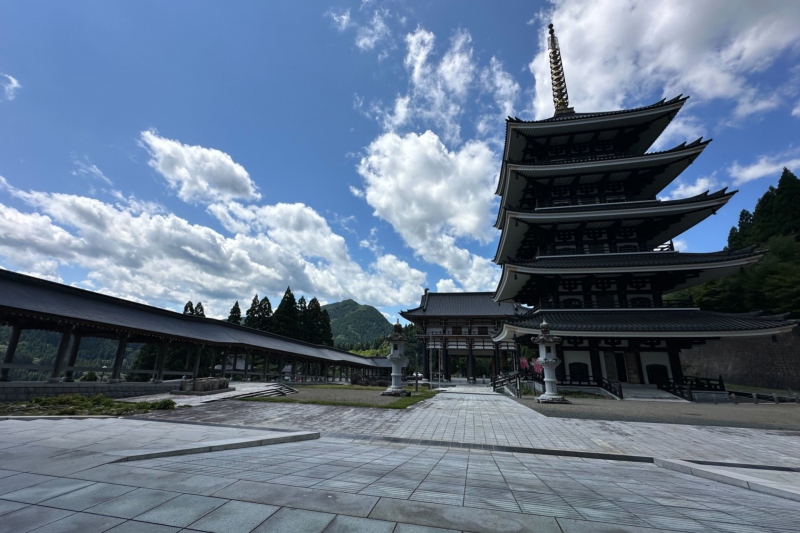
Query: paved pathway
(498, 420)
(59, 475)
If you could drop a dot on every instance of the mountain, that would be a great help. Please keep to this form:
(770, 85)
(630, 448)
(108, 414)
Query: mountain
(352, 322)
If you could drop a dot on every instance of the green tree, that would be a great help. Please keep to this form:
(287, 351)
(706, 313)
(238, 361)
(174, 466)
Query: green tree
(325, 329)
(235, 316)
(188, 309)
(198, 310)
(264, 314)
(286, 318)
(251, 318)
(313, 322)
(304, 326)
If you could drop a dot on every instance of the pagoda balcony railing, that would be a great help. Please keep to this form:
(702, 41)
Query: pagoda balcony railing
(601, 249)
(643, 304)
(609, 198)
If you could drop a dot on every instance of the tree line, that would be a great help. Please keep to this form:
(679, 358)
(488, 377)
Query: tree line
(293, 318)
(771, 285)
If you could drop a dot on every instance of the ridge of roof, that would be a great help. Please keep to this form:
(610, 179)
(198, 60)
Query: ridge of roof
(573, 116)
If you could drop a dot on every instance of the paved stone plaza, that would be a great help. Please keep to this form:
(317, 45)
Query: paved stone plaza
(461, 462)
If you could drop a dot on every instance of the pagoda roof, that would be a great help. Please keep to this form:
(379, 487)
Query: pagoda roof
(667, 165)
(650, 322)
(461, 304)
(704, 266)
(689, 211)
(641, 125)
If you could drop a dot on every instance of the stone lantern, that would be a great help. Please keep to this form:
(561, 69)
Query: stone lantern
(398, 359)
(547, 358)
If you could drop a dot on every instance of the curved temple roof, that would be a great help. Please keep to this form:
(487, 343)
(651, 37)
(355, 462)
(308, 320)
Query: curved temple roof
(45, 303)
(644, 323)
(461, 304)
(666, 165)
(700, 207)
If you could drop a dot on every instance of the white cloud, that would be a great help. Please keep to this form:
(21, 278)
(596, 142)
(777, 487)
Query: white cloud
(447, 285)
(680, 245)
(89, 170)
(198, 174)
(432, 197)
(796, 110)
(684, 128)
(616, 50)
(764, 166)
(505, 92)
(683, 189)
(355, 191)
(369, 35)
(160, 257)
(341, 20)
(10, 86)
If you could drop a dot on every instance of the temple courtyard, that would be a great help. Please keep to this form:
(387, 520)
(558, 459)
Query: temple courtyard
(461, 461)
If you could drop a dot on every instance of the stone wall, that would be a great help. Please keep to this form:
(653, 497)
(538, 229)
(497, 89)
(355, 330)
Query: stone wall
(756, 361)
(25, 390)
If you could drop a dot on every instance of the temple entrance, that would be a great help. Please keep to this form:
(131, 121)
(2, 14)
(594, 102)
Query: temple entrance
(657, 374)
(619, 365)
(579, 372)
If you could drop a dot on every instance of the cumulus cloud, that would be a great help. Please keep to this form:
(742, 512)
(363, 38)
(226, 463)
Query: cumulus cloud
(680, 245)
(432, 196)
(766, 165)
(198, 174)
(682, 189)
(162, 258)
(614, 51)
(10, 86)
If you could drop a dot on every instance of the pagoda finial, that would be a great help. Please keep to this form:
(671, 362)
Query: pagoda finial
(559, 82)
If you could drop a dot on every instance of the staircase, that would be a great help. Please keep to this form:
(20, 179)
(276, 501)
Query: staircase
(271, 390)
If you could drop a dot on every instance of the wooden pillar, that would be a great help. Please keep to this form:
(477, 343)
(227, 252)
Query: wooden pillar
(561, 370)
(516, 355)
(426, 361)
(470, 362)
(61, 354)
(73, 357)
(674, 354)
(161, 358)
(496, 359)
(446, 360)
(265, 370)
(117, 368)
(224, 365)
(594, 358)
(11, 349)
(235, 365)
(294, 367)
(198, 353)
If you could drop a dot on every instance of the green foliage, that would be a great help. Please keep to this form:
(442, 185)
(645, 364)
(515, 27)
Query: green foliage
(251, 319)
(352, 323)
(316, 324)
(89, 376)
(188, 309)
(199, 311)
(235, 316)
(286, 319)
(263, 314)
(76, 404)
(773, 284)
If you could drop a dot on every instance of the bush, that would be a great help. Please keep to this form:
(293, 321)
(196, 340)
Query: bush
(355, 379)
(89, 376)
(383, 383)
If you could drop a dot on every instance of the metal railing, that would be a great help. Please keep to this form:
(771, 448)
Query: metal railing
(614, 388)
(588, 249)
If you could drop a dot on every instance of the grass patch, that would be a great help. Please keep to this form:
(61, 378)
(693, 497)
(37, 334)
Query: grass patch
(400, 403)
(76, 404)
(760, 390)
(341, 387)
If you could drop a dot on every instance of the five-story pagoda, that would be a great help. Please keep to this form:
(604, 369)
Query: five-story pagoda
(586, 243)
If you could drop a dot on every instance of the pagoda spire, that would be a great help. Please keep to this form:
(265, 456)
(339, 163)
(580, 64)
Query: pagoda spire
(558, 81)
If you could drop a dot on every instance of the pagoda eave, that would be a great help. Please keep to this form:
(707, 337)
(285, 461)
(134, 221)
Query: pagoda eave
(643, 323)
(575, 167)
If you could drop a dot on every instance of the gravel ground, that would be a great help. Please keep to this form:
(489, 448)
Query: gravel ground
(762, 416)
(343, 394)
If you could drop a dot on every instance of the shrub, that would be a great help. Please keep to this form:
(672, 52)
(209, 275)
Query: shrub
(89, 376)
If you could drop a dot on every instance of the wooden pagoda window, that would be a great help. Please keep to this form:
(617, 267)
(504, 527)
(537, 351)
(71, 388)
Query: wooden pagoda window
(483, 330)
(641, 301)
(570, 284)
(639, 283)
(456, 330)
(561, 190)
(627, 233)
(572, 303)
(627, 247)
(597, 248)
(565, 235)
(594, 233)
(606, 301)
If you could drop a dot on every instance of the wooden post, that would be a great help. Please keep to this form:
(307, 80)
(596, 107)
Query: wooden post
(197, 355)
(224, 364)
(117, 369)
(161, 358)
(61, 354)
(11, 349)
(73, 357)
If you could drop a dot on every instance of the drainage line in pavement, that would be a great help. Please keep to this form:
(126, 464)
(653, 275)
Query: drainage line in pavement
(495, 447)
(745, 465)
(193, 423)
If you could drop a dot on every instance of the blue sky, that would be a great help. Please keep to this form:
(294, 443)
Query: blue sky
(165, 151)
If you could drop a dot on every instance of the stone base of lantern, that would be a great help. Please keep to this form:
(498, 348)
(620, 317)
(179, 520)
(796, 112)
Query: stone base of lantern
(399, 393)
(552, 399)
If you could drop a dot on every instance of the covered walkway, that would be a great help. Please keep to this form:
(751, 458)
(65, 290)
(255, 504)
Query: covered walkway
(32, 303)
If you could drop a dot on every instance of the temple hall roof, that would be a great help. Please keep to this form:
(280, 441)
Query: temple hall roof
(461, 304)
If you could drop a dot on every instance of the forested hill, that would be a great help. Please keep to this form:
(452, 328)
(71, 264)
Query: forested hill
(773, 284)
(352, 323)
